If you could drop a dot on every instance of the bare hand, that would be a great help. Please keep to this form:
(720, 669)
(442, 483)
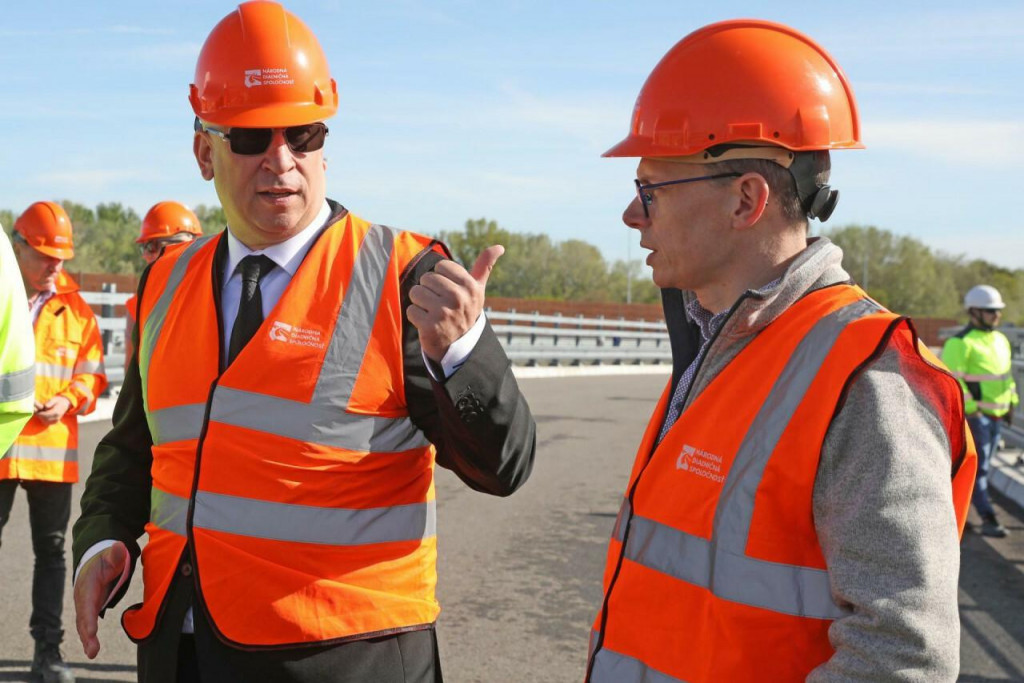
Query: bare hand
(92, 590)
(447, 302)
(53, 410)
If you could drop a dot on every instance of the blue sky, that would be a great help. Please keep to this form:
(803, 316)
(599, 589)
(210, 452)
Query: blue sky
(453, 110)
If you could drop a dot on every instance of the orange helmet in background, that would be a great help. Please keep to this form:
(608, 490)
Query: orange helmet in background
(742, 81)
(261, 67)
(166, 219)
(45, 227)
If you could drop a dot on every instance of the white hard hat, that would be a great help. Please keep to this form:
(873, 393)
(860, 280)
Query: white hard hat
(983, 296)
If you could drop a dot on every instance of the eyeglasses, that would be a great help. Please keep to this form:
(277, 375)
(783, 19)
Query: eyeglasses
(647, 199)
(154, 247)
(251, 141)
(991, 310)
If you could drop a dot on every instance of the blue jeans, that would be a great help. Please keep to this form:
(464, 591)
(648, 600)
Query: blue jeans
(985, 431)
(49, 509)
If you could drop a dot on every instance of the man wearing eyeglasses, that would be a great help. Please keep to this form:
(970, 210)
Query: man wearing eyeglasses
(166, 223)
(296, 377)
(980, 357)
(790, 514)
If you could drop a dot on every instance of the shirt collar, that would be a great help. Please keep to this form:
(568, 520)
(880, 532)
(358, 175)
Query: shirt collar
(709, 322)
(286, 255)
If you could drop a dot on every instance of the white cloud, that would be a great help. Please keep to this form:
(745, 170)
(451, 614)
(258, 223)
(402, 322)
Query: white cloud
(976, 143)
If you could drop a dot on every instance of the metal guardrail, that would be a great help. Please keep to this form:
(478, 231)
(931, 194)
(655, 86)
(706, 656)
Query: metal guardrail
(528, 338)
(113, 329)
(534, 339)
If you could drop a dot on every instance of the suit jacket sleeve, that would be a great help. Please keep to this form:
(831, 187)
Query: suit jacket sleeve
(477, 418)
(115, 504)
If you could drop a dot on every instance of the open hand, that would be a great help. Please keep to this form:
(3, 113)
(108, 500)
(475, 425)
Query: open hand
(92, 588)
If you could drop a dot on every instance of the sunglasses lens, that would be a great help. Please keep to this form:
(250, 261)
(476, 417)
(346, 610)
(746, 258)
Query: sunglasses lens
(250, 140)
(307, 138)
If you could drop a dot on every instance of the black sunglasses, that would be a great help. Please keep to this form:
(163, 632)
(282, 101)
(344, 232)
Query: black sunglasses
(308, 137)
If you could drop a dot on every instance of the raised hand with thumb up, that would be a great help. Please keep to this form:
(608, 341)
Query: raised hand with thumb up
(447, 301)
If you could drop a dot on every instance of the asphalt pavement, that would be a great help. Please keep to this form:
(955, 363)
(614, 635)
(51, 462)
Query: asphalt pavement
(520, 576)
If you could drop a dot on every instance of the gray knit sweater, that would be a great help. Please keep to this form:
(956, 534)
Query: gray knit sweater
(883, 505)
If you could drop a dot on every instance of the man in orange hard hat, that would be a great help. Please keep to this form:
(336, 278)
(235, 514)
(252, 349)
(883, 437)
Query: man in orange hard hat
(296, 377)
(44, 458)
(166, 223)
(790, 514)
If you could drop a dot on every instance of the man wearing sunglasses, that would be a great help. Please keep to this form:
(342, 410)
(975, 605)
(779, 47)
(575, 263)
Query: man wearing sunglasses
(297, 377)
(790, 514)
(980, 357)
(166, 223)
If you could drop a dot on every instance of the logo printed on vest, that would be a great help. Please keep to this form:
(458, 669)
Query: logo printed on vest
(700, 462)
(300, 336)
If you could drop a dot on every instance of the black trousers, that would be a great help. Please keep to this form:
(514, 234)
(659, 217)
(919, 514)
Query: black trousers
(49, 509)
(402, 658)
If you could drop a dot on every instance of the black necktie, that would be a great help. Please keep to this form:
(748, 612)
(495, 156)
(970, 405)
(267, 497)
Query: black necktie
(250, 305)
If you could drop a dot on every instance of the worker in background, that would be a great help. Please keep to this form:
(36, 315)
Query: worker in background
(790, 513)
(17, 349)
(44, 458)
(297, 376)
(165, 224)
(980, 357)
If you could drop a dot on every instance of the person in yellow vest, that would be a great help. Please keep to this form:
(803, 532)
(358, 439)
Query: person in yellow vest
(297, 378)
(793, 510)
(44, 458)
(980, 357)
(17, 349)
(165, 223)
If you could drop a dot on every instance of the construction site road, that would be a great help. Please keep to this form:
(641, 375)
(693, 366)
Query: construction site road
(520, 577)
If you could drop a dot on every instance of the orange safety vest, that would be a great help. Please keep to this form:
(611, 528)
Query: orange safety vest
(69, 363)
(714, 569)
(295, 476)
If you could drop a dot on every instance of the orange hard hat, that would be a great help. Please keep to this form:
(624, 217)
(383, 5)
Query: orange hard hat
(166, 219)
(45, 227)
(745, 80)
(261, 67)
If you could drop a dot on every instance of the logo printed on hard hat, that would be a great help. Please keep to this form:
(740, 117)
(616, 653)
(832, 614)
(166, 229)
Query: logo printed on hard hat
(61, 239)
(258, 77)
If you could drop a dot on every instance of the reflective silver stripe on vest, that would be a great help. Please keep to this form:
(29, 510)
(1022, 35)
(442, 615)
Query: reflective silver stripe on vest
(45, 453)
(625, 512)
(316, 423)
(53, 371)
(155, 320)
(15, 386)
(612, 667)
(168, 511)
(969, 377)
(91, 367)
(179, 423)
(295, 523)
(988, 405)
(355, 320)
(720, 564)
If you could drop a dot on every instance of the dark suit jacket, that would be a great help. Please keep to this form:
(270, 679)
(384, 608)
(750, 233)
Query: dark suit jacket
(477, 419)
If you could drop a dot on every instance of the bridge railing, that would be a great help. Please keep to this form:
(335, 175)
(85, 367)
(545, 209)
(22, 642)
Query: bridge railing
(534, 339)
(528, 338)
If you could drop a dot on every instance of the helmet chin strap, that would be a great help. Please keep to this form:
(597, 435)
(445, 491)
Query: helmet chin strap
(978, 320)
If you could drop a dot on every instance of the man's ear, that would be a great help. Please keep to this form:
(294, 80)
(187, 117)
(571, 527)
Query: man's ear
(751, 198)
(203, 150)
